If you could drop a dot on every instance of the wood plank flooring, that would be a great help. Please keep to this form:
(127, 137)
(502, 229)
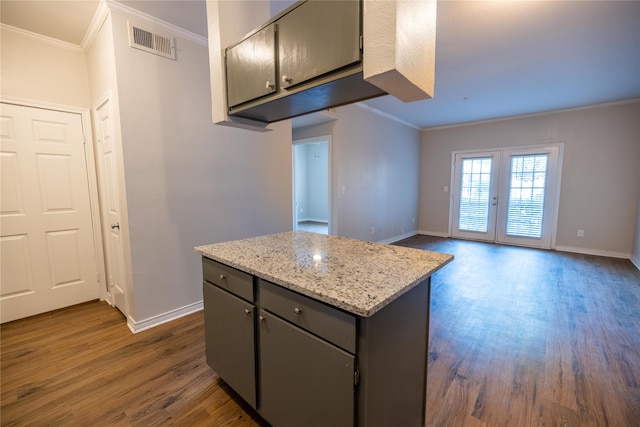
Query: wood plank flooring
(525, 337)
(81, 366)
(519, 337)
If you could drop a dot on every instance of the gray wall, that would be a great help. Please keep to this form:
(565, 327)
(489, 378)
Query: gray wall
(189, 182)
(375, 174)
(600, 176)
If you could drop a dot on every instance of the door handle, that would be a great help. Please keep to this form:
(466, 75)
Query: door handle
(116, 225)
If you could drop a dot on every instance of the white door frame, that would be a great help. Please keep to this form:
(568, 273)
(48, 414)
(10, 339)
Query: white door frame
(293, 179)
(557, 181)
(91, 174)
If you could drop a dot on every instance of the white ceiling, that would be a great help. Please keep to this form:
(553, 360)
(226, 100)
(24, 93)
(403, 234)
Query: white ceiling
(494, 59)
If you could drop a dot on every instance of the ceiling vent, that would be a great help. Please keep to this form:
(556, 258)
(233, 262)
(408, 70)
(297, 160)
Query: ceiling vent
(151, 40)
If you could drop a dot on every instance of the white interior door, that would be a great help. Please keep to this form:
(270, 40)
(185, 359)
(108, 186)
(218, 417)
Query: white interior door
(475, 190)
(506, 196)
(110, 206)
(47, 245)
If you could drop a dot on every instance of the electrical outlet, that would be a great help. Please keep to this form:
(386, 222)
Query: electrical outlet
(580, 233)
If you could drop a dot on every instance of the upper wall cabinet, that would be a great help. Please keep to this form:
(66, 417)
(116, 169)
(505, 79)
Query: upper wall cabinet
(317, 38)
(307, 59)
(251, 67)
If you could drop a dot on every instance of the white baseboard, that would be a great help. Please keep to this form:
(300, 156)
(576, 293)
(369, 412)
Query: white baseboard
(636, 261)
(398, 238)
(433, 233)
(597, 252)
(158, 320)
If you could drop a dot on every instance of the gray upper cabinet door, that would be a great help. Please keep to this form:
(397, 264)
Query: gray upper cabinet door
(304, 381)
(251, 67)
(230, 341)
(318, 37)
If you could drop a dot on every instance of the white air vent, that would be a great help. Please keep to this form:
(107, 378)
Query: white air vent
(151, 40)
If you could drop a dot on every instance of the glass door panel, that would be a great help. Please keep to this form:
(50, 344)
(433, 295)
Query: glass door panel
(528, 187)
(525, 206)
(475, 195)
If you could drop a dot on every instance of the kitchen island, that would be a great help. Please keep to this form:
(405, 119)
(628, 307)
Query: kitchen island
(320, 330)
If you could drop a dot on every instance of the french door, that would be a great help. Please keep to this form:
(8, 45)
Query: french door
(506, 196)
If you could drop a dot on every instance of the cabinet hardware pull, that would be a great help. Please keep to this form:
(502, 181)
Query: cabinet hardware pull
(270, 85)
(116, 225)
(247, 311)
(297, 310)
(261, 318)
(222, 277)
(286, 79)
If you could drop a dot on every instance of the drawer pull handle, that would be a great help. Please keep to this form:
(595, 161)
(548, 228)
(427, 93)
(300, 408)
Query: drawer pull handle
(261, 318)
(247, 311)
(222, 277)
(297, 310)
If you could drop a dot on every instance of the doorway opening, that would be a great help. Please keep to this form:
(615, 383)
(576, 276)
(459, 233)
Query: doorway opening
(507, 196)
(312, 185)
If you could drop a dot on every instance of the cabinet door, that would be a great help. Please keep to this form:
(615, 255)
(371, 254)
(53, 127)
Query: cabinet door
(318, 37)
(230, 340)
(304, 381)
(251, 67)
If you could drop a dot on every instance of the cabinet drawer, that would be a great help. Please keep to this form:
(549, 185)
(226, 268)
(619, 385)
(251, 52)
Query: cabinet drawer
(228, 278)
(327, 322)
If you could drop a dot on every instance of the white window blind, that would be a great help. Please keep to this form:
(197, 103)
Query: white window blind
(474, 194)
(526, 195)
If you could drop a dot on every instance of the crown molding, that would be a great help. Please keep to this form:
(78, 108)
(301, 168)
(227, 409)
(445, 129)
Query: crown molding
(387, 115)
(96, 23)
(541, 113)
(42, 39)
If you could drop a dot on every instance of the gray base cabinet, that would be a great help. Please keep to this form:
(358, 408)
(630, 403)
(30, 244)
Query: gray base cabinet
(230, 343)
(301, 362)
(304, 380)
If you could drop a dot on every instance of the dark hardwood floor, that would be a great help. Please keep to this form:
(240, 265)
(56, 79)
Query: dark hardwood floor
(519, 337)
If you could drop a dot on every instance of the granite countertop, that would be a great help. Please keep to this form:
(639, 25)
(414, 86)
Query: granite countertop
(357, 276)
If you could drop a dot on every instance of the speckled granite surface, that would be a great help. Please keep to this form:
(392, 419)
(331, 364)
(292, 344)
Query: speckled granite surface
(359, 277)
